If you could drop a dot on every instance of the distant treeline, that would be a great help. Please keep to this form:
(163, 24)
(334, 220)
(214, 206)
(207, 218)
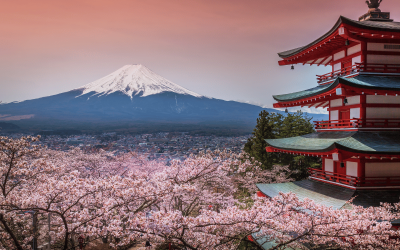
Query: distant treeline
(205, 128)
(60, 132)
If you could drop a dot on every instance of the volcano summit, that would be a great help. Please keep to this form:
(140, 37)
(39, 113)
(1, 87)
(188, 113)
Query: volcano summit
(134, 80)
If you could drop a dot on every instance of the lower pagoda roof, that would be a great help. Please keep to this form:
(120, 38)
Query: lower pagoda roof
(390, 83)
(331, 195)
(383, 142)
(328, 195)
(321, 193)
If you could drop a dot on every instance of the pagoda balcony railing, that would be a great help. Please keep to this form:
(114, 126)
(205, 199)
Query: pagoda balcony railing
(387, 181)
(341, 72)
(356, 69)
(358, 123)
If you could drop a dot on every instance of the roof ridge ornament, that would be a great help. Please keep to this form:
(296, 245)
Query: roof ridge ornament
(374, 4)
(374, 13)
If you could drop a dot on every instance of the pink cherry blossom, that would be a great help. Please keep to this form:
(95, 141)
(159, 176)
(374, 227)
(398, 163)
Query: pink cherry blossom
(200, 203)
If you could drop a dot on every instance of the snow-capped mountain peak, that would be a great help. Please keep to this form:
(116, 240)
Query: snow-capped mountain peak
(134, 80)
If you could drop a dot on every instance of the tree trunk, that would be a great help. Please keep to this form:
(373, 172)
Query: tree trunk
(9, 231)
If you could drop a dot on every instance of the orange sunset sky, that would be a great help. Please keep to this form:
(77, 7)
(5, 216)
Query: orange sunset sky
(225, 49)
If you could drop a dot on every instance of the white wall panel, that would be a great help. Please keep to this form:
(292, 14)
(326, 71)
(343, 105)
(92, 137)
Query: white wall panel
(383, 59)
(328, 165)
(354, 49)
(355, 113)
(355, 60)
(336, 103)
(383, 113)
(334, 115)
(337, 66)
(382, 169)
(351, 168)
(339, 55)
(351, 100)
(383, 99)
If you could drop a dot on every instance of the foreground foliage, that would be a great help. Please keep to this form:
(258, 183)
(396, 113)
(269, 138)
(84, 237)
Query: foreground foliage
(194, 204)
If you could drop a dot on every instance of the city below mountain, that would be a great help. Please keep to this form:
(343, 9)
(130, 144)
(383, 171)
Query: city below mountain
(133, 96)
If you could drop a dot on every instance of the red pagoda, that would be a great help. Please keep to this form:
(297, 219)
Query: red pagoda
(360, 143)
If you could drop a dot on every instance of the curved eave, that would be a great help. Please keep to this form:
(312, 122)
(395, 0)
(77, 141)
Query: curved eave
(370, 143)
(334, 148)
(303, 95)
(368, 84)
(321, 193)
(293, 52)
(319, 48)
(332, 195)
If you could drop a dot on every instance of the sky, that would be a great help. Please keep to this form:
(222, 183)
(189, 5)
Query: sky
(226, 49)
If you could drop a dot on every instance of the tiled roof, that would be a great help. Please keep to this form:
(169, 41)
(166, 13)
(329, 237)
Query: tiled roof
(373, 25)
(373, 82)
(328, 195)
(319, 192)
(265, 243)
(368, 198)
(360, 81)
(362, 142)
(370, 25)
(304, 93)
(331, 195)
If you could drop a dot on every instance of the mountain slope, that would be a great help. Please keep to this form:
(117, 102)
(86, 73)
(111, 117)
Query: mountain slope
(131, 95)
(166, 106)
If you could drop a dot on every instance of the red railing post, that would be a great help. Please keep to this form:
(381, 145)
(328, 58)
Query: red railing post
(354, 180)
(357, 123)
(356, 68)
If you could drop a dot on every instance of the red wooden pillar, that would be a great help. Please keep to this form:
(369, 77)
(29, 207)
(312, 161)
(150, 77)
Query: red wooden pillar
(361, 169)
(364, 53)
(363, 109)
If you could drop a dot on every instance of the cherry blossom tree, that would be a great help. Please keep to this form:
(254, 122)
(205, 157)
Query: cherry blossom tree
(200, 211)
(197, 203)
(75, 188)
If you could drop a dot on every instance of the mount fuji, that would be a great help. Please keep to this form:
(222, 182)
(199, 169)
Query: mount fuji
(132, 95)
(134, 80)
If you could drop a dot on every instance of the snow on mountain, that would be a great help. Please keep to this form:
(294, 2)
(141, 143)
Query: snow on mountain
(134, 80)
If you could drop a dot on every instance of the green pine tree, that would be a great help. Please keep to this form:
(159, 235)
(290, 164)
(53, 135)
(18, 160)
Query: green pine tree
(297, 124)
(266, 128)
(276, 126)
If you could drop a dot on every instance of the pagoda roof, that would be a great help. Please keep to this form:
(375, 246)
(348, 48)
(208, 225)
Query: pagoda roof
(328, 195)
(383, 142)
(360, 81)
(368, 25)
(318, 51)
(321, 193)
(331, 195)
